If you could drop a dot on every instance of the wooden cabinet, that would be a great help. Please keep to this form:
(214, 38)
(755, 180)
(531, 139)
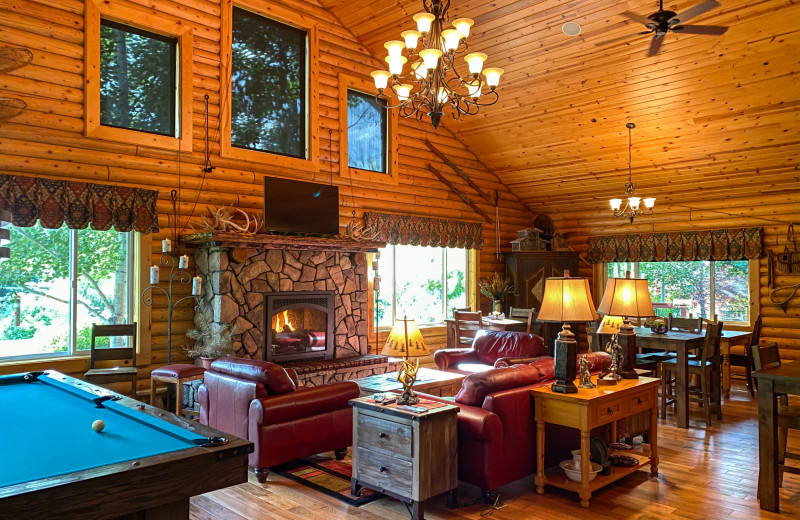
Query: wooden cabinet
(408, 456)
(528, 270)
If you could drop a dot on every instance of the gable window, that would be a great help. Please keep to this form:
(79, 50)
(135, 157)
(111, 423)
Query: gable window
(366, 132)
(269, 61)
(138, 79)
(57, 283)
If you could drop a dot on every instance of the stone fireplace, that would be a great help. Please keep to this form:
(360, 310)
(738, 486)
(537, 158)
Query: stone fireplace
(299, 325)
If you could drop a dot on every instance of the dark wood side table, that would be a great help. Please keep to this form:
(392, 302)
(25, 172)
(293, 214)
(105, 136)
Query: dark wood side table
(408, 456)
(588, 409)
(784, 379)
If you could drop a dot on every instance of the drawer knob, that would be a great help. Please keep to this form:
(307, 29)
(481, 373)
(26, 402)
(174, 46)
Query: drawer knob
(381, 435)
(609, 411)
(639, 401)
(382, 469)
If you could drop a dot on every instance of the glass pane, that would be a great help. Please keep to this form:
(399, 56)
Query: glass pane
(386, 295)
(137, 79)
(102, 284)
(34, 293)
(268, 85)
(683, 288)
(456, 280)
(366, 132)
(732, 291)
(419, 283)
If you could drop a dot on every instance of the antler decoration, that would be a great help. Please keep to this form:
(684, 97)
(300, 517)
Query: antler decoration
(360, 232)
(222, 219)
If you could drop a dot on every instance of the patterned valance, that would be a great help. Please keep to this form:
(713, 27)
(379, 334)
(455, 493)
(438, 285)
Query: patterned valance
(79, 204)
(424, 231)
(716, 244)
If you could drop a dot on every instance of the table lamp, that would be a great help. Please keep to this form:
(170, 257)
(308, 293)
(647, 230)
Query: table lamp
(566, 300)
(405, 341)
(630, 298)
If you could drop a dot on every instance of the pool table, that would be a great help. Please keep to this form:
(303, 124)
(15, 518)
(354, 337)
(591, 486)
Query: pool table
(144, 464)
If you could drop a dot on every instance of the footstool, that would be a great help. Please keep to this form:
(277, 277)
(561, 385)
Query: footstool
(178, 375)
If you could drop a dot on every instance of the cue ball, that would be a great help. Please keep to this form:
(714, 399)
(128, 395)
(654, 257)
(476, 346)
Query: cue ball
(98, 425)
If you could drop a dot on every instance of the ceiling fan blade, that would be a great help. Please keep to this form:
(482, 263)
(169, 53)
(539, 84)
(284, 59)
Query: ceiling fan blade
(638, 18)
(622, 38)
(655, 45)
(693, 12)
(713, 30)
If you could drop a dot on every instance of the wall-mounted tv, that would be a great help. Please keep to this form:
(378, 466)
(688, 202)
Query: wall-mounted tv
(300, 207)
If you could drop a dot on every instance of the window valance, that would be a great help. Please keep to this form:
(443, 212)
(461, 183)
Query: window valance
(424, 231)
(79, 204)
(716, 244)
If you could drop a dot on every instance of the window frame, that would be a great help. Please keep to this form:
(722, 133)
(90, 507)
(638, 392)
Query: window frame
(148, 21)
(391, 176)
(293, 18)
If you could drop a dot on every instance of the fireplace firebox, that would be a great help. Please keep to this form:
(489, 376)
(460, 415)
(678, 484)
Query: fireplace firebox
(299, 326)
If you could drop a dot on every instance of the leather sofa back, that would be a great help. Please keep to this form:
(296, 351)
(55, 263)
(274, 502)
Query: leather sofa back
(275, 378)
(492, 345)
(477, 386)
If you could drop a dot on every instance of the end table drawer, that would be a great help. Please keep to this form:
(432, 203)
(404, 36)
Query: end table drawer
(388, 436)
(640, 401)
(610, 411)
(385, 472)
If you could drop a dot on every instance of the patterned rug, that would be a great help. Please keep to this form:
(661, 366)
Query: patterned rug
(328, 476)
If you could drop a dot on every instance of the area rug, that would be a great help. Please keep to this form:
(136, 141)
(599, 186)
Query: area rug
(328, 476)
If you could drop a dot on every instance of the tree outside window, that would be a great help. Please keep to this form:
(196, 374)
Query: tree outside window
(366, 132)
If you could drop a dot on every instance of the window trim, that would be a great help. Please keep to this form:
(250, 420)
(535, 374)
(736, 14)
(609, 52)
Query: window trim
(148, 21)
(346, 83)
(273, 11)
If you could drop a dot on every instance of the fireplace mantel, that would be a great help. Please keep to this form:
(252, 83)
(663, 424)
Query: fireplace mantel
(267, 241)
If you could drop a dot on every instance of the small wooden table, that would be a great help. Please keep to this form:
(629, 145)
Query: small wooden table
(784, 379)
(588, 409)
(429, 381)
(488, 324)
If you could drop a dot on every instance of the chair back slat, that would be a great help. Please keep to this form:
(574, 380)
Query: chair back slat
(528, 314)
(467, 325)
(756, 331)
(711, 343)
(114, 353)
(767, 356)
(685, 324)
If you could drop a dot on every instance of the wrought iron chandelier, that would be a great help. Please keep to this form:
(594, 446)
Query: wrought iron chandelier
(433, 82)
(632, 207)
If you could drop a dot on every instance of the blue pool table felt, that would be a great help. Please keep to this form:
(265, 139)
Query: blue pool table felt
(46, 430)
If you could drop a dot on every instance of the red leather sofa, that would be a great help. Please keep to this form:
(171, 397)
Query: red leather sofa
(261, 402)
(496, 427)
(491, 349)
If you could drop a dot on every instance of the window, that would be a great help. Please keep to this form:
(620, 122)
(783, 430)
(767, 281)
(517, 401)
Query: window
(423, 283)
(138, 79)
(703, 288)
(366, 132)
(268, 85)
(57, 283)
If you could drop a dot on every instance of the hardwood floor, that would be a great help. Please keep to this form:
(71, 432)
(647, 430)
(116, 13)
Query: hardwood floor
(703, 474)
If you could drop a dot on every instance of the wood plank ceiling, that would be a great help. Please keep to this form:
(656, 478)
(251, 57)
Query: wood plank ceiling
(716, 117)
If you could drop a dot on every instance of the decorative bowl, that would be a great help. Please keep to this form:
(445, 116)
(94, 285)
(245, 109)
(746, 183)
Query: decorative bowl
(659, 328)
(575, 475)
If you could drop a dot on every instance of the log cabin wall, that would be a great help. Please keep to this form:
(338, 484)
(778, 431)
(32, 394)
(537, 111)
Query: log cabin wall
(48, 139)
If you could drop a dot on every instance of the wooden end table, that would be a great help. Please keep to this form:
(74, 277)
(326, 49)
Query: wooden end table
(588, 409)
(429, 381)
(408, 456)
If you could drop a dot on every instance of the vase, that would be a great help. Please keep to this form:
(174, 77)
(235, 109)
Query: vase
(498, 307)
(576, 460)
(207, 362)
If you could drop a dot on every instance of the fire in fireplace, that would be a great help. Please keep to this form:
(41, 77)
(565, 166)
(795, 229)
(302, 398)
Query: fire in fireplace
(301, 325)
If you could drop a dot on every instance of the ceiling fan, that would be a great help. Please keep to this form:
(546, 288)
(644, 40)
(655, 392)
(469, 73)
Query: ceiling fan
(663, 21)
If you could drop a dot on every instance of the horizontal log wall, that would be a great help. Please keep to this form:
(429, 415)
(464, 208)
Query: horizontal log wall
(47, 140)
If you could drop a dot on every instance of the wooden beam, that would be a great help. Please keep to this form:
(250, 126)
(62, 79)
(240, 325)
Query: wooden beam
(458, 192)
(458, 170)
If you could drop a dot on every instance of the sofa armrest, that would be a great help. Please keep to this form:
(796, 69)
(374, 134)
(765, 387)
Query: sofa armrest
(306, 402)
(508, 361)
(450, 357)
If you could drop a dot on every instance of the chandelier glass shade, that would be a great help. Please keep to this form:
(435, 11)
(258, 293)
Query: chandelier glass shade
(633, 206)
(433, 83)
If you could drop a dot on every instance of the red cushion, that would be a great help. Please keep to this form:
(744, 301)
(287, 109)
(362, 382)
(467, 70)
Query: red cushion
(493, 345)
(480, 384)
(178, 371)
(273, 376)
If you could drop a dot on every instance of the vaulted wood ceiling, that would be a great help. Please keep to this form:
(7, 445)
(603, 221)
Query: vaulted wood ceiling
(715, 117)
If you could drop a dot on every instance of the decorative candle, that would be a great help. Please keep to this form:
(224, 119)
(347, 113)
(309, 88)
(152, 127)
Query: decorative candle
(154, 275)
(376, 283)
(166, 245)
(197, 286)
(183, 263)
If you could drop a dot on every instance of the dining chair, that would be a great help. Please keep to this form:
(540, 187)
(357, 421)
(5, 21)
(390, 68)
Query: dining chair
(516, 312)
(707, 366)
(742, 356)
(685, 324)
(768, 356)
(124, 371)
(467, 325)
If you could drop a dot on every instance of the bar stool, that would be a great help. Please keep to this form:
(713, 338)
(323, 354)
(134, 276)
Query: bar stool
(178, 375)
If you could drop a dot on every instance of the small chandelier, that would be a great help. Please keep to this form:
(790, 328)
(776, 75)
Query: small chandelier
(433, 83)
(632, 207)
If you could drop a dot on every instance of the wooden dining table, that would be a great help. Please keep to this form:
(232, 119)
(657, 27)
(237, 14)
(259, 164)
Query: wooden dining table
(488, 324)
(784, 379)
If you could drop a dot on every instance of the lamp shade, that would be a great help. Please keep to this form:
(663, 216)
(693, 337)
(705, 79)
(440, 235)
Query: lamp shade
(567, 300)
(405, 340)
(627, 297)
(610, 325)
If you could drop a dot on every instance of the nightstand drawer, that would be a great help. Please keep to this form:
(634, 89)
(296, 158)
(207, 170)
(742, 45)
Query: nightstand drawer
(640, 401)
(384, 472)
(390, 437)
(610, 411)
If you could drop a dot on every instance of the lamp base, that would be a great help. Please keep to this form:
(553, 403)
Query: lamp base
(565, 361)
(408, 397)
(627, 340)
(562, 386)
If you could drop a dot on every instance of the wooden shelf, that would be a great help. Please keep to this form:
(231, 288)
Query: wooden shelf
(266, 241)
(556, 477)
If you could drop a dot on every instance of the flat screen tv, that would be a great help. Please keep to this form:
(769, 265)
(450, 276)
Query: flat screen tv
(300, 207)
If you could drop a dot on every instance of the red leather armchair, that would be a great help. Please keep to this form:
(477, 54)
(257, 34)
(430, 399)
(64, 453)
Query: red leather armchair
(261, 402)
(491, 349)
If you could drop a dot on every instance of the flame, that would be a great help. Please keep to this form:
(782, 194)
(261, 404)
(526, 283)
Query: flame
(278, 326)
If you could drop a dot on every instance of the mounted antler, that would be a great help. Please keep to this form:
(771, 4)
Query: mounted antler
(223, 219)
(360, 232)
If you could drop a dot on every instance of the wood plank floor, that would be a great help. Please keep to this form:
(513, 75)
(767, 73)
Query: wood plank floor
(703, 474)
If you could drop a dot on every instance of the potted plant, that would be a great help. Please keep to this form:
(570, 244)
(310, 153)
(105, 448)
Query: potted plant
(495, 287)
(211, 340)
